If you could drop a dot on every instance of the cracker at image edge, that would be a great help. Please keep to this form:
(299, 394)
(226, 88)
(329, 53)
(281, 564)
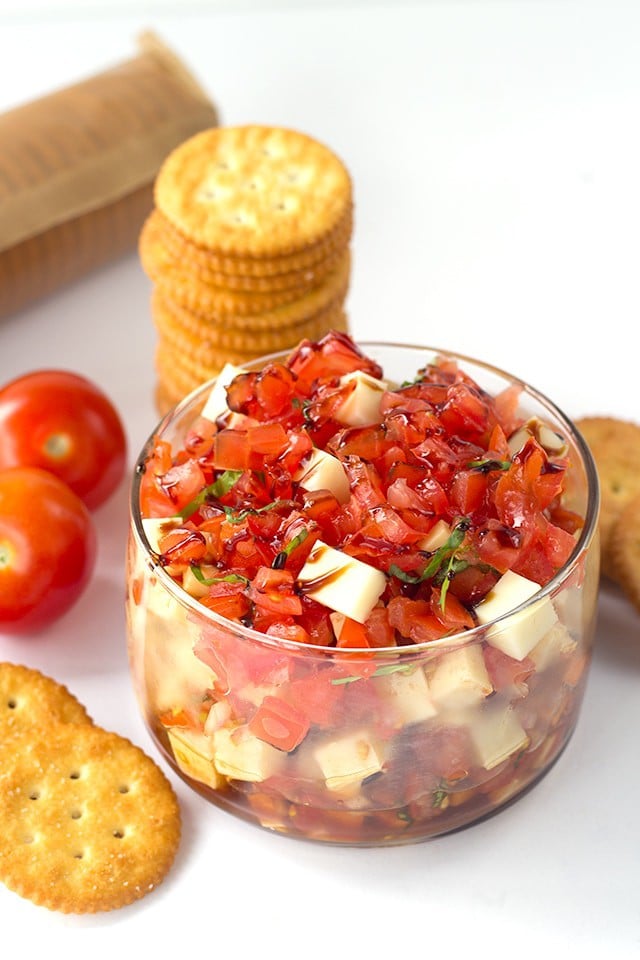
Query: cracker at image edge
(625, 551)
(615, 446)
(29, 699)
(253, 190)
(88, 822)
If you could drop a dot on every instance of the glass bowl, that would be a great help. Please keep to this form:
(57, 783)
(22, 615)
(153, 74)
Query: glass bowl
(396, 745)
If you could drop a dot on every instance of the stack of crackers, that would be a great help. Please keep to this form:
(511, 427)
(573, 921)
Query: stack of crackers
(248, 249)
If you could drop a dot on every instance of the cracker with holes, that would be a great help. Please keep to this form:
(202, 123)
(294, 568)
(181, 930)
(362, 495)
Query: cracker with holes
(253, 191)
(29, 699)
(88, 822)
(615, 445)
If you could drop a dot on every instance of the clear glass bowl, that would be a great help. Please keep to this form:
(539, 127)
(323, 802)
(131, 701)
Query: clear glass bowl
(402, 743)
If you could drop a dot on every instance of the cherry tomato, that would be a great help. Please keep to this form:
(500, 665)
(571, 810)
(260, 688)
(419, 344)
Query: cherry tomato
(63, 423)
(47, 548)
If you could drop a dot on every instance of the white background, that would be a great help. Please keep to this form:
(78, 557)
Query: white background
(496, 159)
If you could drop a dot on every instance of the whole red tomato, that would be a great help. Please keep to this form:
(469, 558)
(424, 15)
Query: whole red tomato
(47, 548)
(63, 423)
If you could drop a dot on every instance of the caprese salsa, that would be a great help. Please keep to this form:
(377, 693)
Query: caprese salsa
(317, 503)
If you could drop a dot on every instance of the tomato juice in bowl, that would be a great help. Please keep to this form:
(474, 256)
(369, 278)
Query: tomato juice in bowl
(362, 589)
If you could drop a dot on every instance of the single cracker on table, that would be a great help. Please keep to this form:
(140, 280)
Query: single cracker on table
(88, 822)
(29, 699)
(253, 191)
(615, 446)
(625, 550)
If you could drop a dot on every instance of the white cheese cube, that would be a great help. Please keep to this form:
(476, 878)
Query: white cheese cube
(408, 695)
(554, 644)
(216, 404)
(437, 537)
(341, 582)
(192, 585)
(173, 675)
(192, 752)
(362, 407)
(520, 633)
(155, 529)
(241, 756)
(322, 471)
(337, 622)
(496, 734)
(348, 760)
(460, 678)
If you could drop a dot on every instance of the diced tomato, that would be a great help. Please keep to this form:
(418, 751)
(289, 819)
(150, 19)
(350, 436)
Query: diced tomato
(182, 545)
(414, 620)
(227, 599)
(231, 450)
(504, 671)
(468, 491)
(280, 724)
(267, 439)
(272, 591)
(333, 356)
(352, 634)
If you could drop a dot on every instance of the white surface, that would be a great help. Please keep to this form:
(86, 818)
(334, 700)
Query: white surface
(495, 157)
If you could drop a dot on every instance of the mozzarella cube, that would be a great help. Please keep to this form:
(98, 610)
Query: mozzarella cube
(241, 756)
(519, 634)
(554, 644)
(341, 582)
(437, 537)
(322, 471)
(347, 761)
(408, 696)
(496, 734)
(460, 678)
(362, 407)
(337, 622)
(216, 404)
(192, 752)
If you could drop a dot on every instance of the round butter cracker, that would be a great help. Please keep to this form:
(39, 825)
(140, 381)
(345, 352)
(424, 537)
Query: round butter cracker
(29, 699)
(253, 191)
(88, 822)
(615, 446)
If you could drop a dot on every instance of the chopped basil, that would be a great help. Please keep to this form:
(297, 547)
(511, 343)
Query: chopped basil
(439, 796)
(280, 561)
(234, 517)
(295, 542)
(440, 557)
(217, 489)
(485, 466)
(383, 671)
(207, 581)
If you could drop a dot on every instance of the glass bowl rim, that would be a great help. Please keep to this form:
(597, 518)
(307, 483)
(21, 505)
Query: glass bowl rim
(460, 639)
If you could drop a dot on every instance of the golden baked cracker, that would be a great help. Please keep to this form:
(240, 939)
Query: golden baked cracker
(624, 549)
(174, 379)
(615, 446)
(204, 363)
(192, 302)
(30, 699)
(192, 336)
(253, 191)
(168, 267)
(180, 247)
(88, 822)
